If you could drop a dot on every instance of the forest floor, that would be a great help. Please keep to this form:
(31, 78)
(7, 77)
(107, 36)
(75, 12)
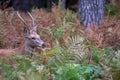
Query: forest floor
(63, 29)
(108, 34)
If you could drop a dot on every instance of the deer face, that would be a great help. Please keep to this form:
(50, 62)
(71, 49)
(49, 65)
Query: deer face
(33, 39)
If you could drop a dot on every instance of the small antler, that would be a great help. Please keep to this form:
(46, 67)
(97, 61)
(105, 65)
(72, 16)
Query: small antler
(21, 18)
(33, 21)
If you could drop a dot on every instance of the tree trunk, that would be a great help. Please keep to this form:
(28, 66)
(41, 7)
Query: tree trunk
(91, 11)
(63, 4)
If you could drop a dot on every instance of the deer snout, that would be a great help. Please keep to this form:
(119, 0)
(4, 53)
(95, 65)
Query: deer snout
(43, 45)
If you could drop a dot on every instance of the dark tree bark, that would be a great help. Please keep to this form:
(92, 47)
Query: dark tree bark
(63, 4)
(70, 4)
(5, 4)
(22, 5)
(55, 1)
(91, 11)
(42, 3)
(25, 5)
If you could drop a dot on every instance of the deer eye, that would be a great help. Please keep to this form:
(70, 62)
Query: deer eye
(33, 38)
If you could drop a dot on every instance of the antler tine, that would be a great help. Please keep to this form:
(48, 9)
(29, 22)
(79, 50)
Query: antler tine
(21, 18)
(33, 21)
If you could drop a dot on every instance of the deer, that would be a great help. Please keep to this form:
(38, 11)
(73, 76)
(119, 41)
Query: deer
(32, 40)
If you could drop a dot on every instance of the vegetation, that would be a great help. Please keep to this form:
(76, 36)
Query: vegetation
(71, 54)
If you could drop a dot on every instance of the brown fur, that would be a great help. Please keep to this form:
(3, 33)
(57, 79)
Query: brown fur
(8, 52)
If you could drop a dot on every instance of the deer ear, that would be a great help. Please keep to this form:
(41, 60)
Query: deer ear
(26, 31)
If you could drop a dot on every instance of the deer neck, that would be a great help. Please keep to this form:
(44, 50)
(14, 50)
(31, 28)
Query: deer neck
(24, 49)
(29, 49)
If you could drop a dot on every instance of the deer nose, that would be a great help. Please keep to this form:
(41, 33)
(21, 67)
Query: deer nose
(43, 45)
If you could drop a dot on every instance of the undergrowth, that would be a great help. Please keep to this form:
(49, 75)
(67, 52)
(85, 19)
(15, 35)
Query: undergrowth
(69, 54)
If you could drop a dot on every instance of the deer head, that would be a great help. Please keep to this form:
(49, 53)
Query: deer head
(32, 38)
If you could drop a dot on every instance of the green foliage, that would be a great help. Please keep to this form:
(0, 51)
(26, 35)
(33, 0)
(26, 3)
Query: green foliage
(67, 72)
(59, 32)
(116, 60)
(57, 64)
(89, 72)
(72, 71)
(111, 10)
(115, 66)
